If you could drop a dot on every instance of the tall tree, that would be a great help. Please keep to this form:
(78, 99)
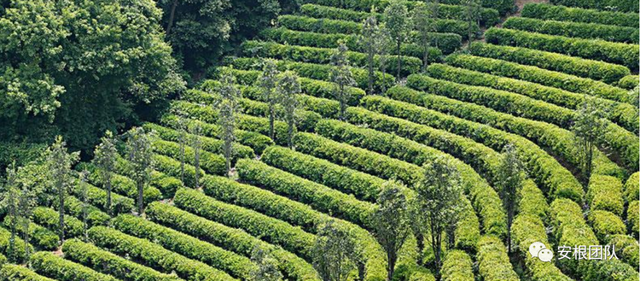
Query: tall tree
(472, 15)
(288, 91)
(182, 140)
(267, 81)
(267, 269)
(140, 152)
(59, 163)
(84, 197)
(369, 30)
(227, 105)
(196, 145)
(27, 203)
(439, 196)
(10, 202)
(391, 222)
(511, 174)
(105, 159)
(423, 20)
(334, 252)
(398, 22)
(588, 128)
(341, 76)
(383, 43)
(82, 69)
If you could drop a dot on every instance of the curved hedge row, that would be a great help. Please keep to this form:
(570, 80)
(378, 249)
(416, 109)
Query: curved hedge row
(484, 198)
(154, 255)
(597, 70)
(623, 114)
(493, 261)
(316, 71)
(545, 169)
(5, 235)
(50, 265)
(14, 272)
(40, 236)
(256, 141)
(281, 208)
(190, 247)
(123, 185)
(488, 16)
(629, 82)
(633, 217)
(363, 186)
(330, 26)
(171, 166)
(447, 42)
(624, 143)
(575, 29)
(270, 229)
(98, 197)
(545, 77)
(315, 195)
(605, 193)
(323, 56)
(627, 246)
(209, 162)
(209, 144)
(457, 266)
(562, 13)
(503, 6)
(49, 218)
(108, 263)
(234, 239)
(632, 187)
(618, 5)
(605, 224)
(619, 53)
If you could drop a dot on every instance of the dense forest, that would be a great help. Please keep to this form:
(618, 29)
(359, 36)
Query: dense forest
(333, 140)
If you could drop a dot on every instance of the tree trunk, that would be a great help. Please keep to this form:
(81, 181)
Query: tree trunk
(361, 270)
(108, 183)
(61, 212)
(384, 74)
(391, 264)
(14, 222)
(399, 62)
(25, 236)
(172, 15)
(426, 56)
(272, 114)
(197, 163)
(290, 134)
(228, 157)
(140, 197)
(437, 249)
(371, 61)
(182, 148)
(420, 245)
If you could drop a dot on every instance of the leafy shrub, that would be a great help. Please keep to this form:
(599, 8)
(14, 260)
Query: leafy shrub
(123, 185)
(629, 82)
(493, 261)
(93, 257)
(19, 253)
(230, 238)
(632, 187)
(209, 162)
(627, 247)
(633, 214)
(190, 247)
(42, 237)
(593, 69)
(562, 13)
(457, 266)
(620, 53)
(171, 166)
(605, 193)
(16, 272)
(616, 5)
(49, 218)
(504, 6)
(572, 29)
(605, 224)
(154, 255)
(50, 265)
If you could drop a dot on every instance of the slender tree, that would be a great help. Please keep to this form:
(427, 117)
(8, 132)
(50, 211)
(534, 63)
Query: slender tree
(59, 163)
(391, 222)
(588, 128)
(26, 204)
(334, 252)
(196, 145)
(511, 174)
(383, 43)
(105, 159)
(398, 21)
(140, 153)
(10, 202)
(182, 139)
(267, 269)
(288, 91)
(267, 82)
(341, 76)
(422, 17)
(227, 105)
(84, 190)
(472, 15)
(439, 196)
(370, 29)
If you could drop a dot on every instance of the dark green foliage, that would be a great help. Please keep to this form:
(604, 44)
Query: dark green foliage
(578, 30)
(615, 5)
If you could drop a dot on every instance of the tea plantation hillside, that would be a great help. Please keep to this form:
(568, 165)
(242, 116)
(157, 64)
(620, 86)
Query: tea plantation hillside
(363, 112)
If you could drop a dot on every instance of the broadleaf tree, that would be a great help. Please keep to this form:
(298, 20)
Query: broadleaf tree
(10, 202)
(439, 197)
(588, 127)
(423, 22)
(288, 89)
(391, 221)
(472, 15)
(196, 145)
(334, 252)
(227, 104)
(367, 38)
(267, 82)
(267, 266)
(60, 175)
(26, 204)
(341, 76)
(105, 159)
